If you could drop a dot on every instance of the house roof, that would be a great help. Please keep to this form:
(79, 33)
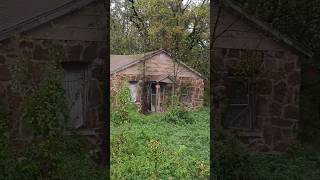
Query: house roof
(265, 27)
(121, 62)
(18, 16)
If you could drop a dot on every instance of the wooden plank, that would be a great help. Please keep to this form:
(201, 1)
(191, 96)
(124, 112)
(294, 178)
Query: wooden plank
(69, 34)
(78, 25)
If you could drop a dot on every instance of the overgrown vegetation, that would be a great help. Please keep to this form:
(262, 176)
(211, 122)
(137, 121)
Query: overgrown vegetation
(150, 147)
(121, 103)
(51, 153)
(160, 146)
(236, 161)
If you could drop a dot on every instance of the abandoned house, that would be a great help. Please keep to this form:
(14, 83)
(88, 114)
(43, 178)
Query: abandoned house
(163, 74)
(257, 78)
(80, 28)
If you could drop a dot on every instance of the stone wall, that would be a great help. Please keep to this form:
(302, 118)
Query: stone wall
(277, 96)
(91, 53)
(196, 86)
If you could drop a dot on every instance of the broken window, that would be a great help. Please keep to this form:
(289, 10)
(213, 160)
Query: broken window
(240, 112)
(75, 78)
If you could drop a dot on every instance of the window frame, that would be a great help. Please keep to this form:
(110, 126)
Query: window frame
(83, 69)
(251, 93)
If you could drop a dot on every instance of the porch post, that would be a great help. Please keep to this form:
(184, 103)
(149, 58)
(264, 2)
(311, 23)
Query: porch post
(157, 97)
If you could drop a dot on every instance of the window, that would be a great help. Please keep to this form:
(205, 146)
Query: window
(75, 78)
(184, 97)
(133, 90)
(240, 93)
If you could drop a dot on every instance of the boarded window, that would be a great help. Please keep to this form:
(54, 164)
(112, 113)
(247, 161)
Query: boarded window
(75, 78)
(240, 112)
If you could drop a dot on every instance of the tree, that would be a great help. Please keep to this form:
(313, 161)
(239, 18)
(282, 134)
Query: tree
(179, 26)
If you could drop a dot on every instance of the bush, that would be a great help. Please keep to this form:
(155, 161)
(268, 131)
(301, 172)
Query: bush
(233, 158)
(7, 160)
(235, 161)
(177, 113)
(121, 103)
(58, 158)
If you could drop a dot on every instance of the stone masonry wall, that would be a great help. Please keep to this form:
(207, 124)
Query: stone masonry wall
(91, 53)
(277, 96)
(196, 87)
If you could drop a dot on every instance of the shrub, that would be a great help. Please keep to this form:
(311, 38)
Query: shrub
(121, 103)
(177, 113)
(7, 160)
(235, 161)
(233, 158)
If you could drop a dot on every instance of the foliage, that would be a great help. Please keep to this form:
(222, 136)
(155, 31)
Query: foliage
(309, 124)
(182, 28)
(58, 158)
(148, 147)
(45, 109)
(297, 18)
(249, 65)
(4, 116)
(7, 163)
(178, 114)
(235, 161)
(52, 153)
(121, 103)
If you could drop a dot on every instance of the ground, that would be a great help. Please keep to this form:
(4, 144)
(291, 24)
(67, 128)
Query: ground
(149, 146)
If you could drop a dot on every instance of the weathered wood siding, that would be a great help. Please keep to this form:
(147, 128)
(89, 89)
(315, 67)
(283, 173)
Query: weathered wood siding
(237, 33)
(160, 64)
(87, 24)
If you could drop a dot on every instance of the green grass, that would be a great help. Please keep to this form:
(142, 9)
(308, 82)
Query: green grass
(149, 147)
(236, 162)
